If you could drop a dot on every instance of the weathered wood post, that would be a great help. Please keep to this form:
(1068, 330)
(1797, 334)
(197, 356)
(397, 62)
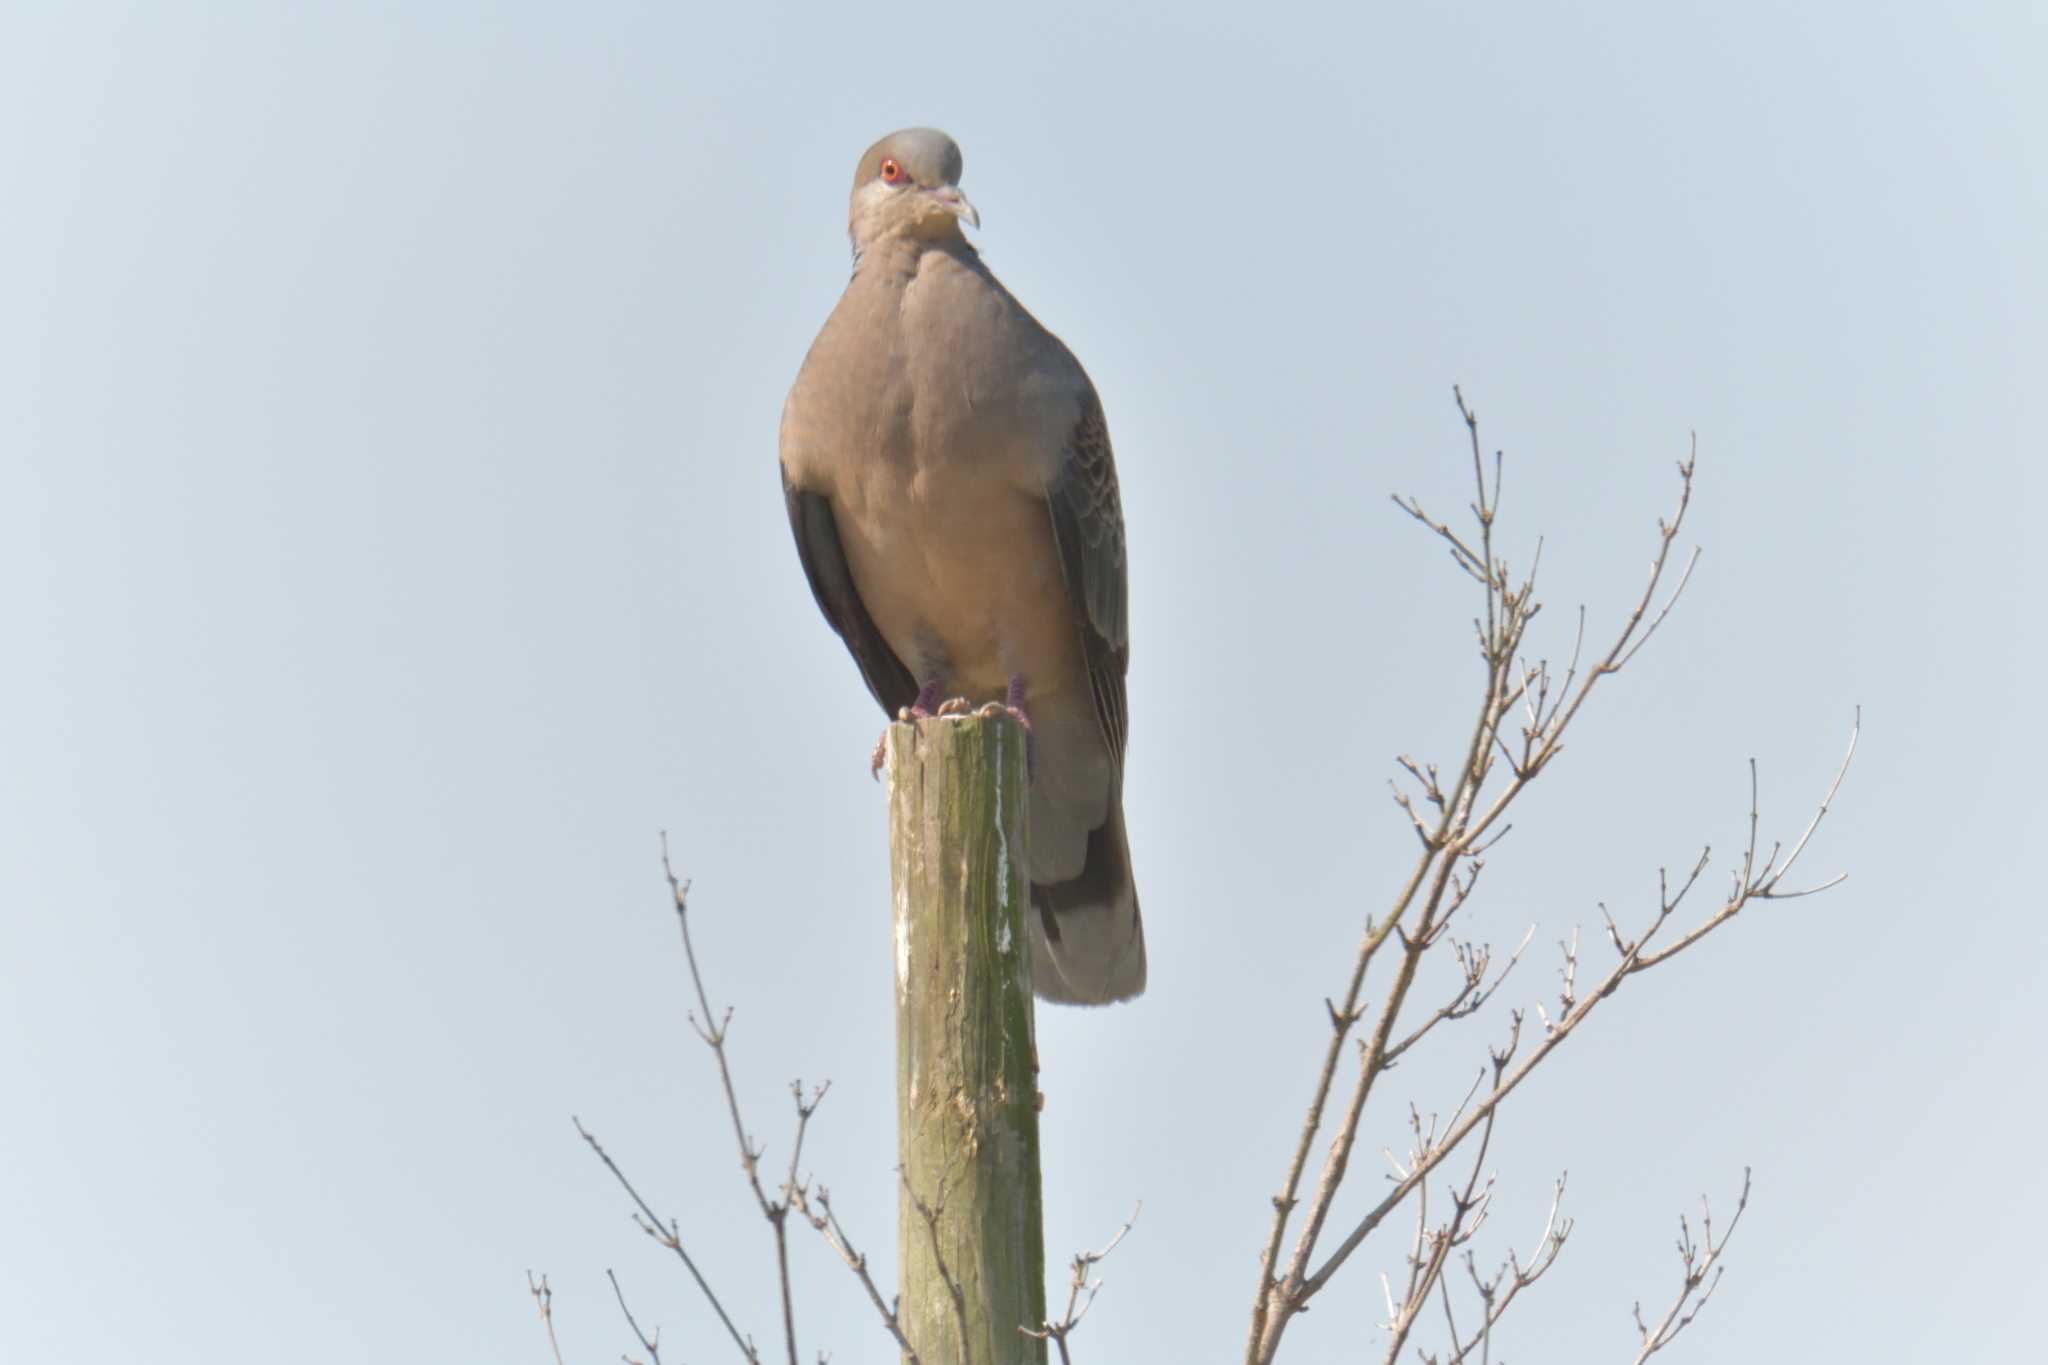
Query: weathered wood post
(966, 1064)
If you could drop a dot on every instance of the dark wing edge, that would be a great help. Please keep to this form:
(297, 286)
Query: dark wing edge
(824, 558)
(1088, 526)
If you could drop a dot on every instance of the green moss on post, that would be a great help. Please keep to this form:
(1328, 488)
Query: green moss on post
(966, 1064)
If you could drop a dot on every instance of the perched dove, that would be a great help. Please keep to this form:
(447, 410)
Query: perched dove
(950, 485)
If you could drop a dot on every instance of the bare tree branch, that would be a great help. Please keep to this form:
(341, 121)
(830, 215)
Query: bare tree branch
(1473, 992)
(929, 1215)
(1432, 1245)
(817, 1211)
(793, 1193)
(1498, 1291)
(1769, 888)
(1701, 1261)
(1077, 1307)
(651, 1345)
(669, 1235)
(544, 1299)
(1633, 961)
(776, 1211)
(1458, 813)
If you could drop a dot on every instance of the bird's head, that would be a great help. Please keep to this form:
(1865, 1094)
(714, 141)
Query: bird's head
(908, 185)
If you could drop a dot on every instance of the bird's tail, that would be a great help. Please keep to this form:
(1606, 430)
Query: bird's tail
(1087, 940)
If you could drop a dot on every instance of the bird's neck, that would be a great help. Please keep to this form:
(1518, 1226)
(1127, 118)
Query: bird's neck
(899, 255)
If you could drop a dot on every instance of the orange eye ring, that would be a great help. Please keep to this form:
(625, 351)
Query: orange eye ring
(892, 171)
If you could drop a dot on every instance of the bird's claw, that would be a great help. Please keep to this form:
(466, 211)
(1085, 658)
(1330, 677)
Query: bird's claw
(956, 706)
(990, 710)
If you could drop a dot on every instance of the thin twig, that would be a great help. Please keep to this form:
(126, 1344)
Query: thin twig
(929, 1215)
(1472, 995)
(817, 1211)
(670, 1236)
(1512, 1278)
(714, 1036)
(1077, 1307)
(544, 1299)
(793, 1193)
(1770, 888)
(1699, 1258)
(651, 1345)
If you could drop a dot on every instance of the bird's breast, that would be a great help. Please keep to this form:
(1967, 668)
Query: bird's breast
(950, 411)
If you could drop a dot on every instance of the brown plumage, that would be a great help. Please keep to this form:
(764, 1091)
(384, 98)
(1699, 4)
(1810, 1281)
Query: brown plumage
(954, 500)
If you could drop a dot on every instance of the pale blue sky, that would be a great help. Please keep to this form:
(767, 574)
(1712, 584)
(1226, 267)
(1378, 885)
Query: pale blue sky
(390, 545)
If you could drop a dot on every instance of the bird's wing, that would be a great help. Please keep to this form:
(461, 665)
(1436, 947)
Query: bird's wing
(1088, 525)
(817, 544)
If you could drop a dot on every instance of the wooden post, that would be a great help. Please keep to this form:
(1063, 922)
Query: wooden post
(966, 1063)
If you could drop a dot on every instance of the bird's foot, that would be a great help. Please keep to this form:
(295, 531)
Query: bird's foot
(1012, 705)
(920, 708)
(927, 698)
(996, 709)
(991, 710)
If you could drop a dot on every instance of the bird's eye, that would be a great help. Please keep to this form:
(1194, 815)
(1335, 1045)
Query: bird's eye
(892, 171)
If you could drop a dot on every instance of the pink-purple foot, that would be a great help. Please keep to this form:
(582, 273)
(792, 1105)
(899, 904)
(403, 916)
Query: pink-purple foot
(956, 706)
(927, 697)
(1013, 702)
(989, 710)
(920, 708)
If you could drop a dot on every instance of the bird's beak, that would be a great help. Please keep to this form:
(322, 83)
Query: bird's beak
(949, 198)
